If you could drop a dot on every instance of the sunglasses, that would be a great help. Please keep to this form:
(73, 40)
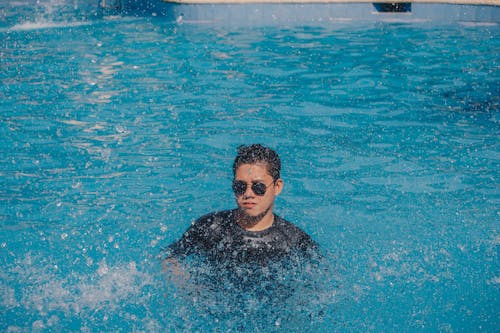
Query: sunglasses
(240, 187)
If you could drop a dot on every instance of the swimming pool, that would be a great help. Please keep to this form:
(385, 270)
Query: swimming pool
(118, 130)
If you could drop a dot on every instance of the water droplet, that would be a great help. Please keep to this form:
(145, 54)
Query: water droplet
(103, 268)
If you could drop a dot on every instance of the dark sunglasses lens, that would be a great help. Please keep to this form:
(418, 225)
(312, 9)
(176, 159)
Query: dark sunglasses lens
(259, 188)
(239, 187)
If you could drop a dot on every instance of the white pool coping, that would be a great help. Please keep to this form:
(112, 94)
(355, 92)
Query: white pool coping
(300, 12)
(456, 2)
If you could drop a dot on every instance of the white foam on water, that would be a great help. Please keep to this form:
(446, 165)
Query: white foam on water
(39, 25)
(45, 291)
(478, 24)
(7, 296)
(494, 281)
(48, 16)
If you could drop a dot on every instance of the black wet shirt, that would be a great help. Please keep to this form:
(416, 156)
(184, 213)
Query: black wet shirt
(230, 272)
(218, 238)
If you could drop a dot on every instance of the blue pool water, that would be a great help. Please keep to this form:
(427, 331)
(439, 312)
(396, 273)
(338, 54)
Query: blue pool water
(117, 131)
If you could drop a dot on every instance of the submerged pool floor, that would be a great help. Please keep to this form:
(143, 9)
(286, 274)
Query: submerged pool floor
(117, 131)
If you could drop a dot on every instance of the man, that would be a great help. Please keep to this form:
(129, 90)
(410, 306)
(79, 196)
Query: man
(248, 262)
(252, 233)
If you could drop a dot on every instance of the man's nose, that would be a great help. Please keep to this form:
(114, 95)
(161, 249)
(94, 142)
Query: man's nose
(248, 192)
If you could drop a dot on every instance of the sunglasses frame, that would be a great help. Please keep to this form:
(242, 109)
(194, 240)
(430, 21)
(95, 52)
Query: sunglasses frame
(256, 187)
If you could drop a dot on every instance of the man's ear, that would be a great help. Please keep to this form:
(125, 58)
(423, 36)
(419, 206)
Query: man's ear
(278, 186)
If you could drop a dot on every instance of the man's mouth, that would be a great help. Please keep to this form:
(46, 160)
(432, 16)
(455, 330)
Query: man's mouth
(248, 205)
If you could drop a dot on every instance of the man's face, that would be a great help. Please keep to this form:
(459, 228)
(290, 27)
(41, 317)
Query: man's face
(249, 202)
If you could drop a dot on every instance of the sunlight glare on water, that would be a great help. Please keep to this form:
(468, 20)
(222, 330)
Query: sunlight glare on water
(117, 131)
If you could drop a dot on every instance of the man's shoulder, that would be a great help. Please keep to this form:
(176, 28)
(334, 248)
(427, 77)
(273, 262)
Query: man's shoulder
(294, 234)
(202, 233)
(218, 217)
(289, 227)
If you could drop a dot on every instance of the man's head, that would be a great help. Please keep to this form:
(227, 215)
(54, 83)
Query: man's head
(256, 184)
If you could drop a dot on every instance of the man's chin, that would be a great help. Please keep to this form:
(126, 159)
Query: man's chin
(249, 214)
(252, 215)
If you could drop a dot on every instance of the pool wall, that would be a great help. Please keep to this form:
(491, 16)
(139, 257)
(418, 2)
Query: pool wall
(287, 13)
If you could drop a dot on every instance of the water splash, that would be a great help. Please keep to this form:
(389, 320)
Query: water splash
(55, 14)
(42, 24)
(50, 297)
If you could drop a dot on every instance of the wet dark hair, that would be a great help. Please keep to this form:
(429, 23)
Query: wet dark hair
(257, 153)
